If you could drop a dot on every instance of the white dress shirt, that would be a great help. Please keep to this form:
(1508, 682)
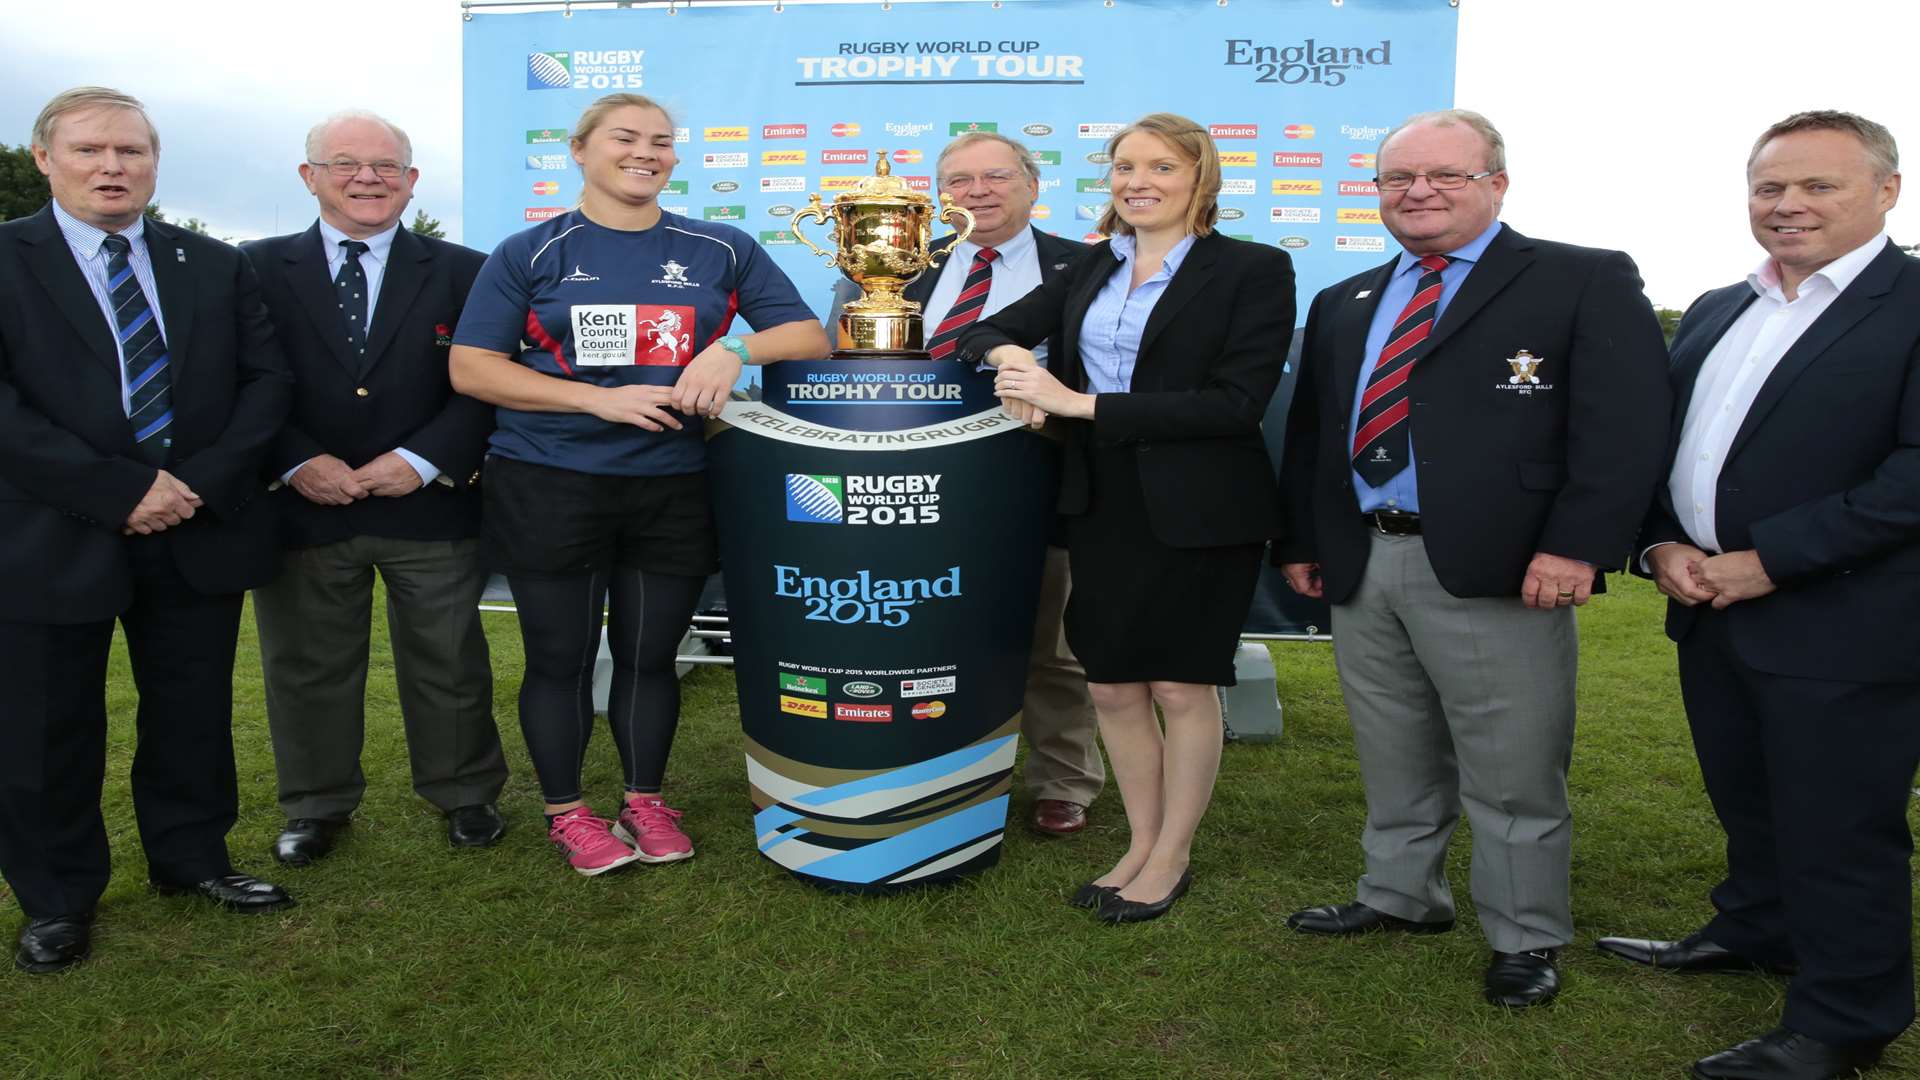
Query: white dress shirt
(1015, 274)
(88, 246)
(1735, 371)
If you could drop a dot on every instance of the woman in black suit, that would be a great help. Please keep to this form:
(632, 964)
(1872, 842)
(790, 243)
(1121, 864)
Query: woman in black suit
(1173, 338)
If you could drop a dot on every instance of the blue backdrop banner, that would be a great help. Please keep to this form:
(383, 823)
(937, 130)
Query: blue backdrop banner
(772, 105)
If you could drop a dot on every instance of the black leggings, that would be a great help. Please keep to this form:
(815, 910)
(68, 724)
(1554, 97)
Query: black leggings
(560, 627)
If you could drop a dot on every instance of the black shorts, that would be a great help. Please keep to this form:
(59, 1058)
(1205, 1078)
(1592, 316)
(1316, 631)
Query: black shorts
(536, 519)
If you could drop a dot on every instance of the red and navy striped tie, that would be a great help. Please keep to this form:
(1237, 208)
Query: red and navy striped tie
(966, 307)
(1380, 439)
(143, 351)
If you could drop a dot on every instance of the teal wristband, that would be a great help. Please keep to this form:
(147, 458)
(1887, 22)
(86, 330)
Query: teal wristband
(737, 347)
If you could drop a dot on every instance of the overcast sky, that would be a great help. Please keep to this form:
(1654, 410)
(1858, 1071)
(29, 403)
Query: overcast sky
(1627, 121)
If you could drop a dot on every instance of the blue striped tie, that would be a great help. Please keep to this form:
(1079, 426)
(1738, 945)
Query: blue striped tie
(144, 352)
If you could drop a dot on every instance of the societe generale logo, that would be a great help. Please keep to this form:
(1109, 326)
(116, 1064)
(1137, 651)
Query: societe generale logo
(725, 134)
(783, 131)
(843, 157)
(1298, 131)
(1359, 187)
(1234, 131)
(845, 131)
(1286, 159)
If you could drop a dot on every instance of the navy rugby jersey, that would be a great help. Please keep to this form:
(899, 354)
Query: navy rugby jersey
(582, 301)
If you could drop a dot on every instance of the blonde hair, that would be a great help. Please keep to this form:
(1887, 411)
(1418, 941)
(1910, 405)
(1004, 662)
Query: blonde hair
(596, 114)
(1496, 145)
(88, 97)
(1194, 146)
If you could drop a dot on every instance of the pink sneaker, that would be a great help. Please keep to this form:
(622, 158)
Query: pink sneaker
(590, 846)
(648, 823)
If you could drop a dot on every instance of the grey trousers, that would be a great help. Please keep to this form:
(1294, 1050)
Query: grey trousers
(1057, 720)
(1460, 703)
(315, 622)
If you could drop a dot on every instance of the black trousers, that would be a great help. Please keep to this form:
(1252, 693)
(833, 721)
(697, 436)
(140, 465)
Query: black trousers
(53, 740)
(1811, 780)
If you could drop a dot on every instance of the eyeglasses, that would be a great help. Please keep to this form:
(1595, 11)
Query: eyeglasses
(1443, 180)
(385, 170)
(994, 178)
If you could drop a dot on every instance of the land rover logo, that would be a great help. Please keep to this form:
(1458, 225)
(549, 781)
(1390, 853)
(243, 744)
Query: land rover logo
(724, 186)
(1100, 157)
(1231, 213)
(861, 689)
(1292, 243)
(1036, 130)
(782, 210)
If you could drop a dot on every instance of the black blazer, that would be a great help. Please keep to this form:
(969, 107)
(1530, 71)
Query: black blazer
(69, 470)
(1822, 480)
(1056, 254)
(1568, 469)
(397, 395)
(1209, 360)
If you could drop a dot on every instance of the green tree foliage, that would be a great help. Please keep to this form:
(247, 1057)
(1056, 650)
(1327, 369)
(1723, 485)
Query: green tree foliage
(426, 226)
(23, 190)
(1669, 321)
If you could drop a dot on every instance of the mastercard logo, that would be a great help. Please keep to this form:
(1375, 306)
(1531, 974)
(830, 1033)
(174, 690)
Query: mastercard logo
(1360, 161)
(1298, 131)
(1041, 212)
(929, 710)
(845, 131)
(907, 157)
(547, 187)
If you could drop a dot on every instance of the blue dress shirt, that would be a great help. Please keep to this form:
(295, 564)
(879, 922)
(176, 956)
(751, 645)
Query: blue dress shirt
(1110, 333)
(86, 242)
(1402, 492)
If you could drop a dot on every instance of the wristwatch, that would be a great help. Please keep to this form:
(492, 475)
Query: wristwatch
(737, 347)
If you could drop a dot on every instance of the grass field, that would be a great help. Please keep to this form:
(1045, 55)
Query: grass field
(406, 958)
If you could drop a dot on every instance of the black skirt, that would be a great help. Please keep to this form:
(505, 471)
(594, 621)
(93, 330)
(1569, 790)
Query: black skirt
(1140, 610)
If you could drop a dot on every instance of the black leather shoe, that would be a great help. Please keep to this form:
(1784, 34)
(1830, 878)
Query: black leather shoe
(1520, 979)
(1089, 896)
(1691, 954)
(235, 892)
(1784, 1054)
(1357, 918)
(306, 840)
(478, 825)
(54, 944)
(1113, 909)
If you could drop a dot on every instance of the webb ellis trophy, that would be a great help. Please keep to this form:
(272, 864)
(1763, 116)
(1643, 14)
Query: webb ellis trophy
(880, 233)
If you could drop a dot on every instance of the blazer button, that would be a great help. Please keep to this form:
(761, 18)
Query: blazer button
(360, 392)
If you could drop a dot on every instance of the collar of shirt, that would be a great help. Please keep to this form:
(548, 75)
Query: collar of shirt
(1015, 247)
(1469, 252)
(1124, 243)
(379, 245)
(86, 239)
(1837, 274)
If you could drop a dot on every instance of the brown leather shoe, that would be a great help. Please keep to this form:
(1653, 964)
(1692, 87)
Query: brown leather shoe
(1058, 817)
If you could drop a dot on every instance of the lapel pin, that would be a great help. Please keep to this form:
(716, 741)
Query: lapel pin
(1363, 294)
(1059, 266)
(180, 254)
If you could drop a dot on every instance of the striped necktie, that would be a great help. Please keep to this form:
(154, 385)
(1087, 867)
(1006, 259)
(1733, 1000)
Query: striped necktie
(350, 285)
(143, 351)
(1380, 443)
(966, 307)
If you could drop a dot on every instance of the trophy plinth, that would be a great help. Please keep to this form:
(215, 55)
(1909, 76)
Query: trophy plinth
(881, 231)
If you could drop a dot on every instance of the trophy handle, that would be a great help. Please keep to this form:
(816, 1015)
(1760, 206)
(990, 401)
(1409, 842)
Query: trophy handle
(819, 214)
(948, 208)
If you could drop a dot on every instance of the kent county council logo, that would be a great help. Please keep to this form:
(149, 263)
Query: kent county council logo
(549, 71)
(817, 500)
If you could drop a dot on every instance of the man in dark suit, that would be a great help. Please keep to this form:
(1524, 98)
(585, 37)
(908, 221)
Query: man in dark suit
(1787, 538)
(995, 178)
(379, 462)
(1474, 439)
(139, 388)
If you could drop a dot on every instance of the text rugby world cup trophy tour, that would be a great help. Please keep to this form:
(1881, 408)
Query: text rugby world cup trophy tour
(882, 527)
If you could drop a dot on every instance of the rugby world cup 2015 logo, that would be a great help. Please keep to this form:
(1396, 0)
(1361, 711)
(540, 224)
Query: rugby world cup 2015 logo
(816, 500)
(549, 70)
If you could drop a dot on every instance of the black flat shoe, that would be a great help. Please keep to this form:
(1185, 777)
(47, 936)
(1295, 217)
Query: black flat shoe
(478, 825)
(54, 944)
(1089, 896)
(1692, 954)
(306, 840)
(1522, 979)
(235, 892)
(1113, 909)
(1785, 1054)
(1340, 920)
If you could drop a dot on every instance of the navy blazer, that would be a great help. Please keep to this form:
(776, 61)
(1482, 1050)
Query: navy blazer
(398, 394)
(70, 472)
(1210, 358)
(1822, 480)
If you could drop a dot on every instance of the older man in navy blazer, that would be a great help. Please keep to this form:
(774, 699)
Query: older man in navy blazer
(139, 388)
(1787, 539)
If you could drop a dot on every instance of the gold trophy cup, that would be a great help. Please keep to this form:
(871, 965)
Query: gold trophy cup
(880, 233)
